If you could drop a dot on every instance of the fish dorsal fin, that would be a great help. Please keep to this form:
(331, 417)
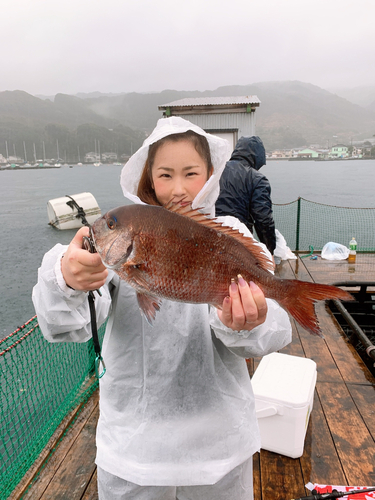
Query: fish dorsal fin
(249, 243)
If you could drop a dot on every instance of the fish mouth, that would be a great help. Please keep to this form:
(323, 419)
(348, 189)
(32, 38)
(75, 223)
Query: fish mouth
(114, 249)
(113, 266)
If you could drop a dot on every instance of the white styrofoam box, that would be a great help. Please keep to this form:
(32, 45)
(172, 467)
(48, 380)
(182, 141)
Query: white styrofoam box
(62, 213)
(284, 394)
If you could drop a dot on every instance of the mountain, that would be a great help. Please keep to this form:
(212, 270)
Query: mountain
(291, 114)
(300, 114)
(26, 121)
(67, 110)
(363, 96)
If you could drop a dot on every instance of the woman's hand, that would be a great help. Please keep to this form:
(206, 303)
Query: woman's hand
(245, 307)
(81, 269)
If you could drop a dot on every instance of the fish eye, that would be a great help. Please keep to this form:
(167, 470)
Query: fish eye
(111, 223)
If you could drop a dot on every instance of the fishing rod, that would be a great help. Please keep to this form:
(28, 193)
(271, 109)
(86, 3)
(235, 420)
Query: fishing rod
(88, 244)
(334, 494)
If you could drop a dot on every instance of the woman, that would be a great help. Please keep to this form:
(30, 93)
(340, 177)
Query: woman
(177, 411)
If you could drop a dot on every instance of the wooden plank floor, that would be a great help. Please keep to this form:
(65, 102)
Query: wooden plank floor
(340, 440)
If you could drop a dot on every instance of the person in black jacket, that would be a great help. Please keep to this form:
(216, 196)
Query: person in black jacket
(245, 193)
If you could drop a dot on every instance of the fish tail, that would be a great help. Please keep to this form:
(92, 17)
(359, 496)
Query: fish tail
(300, 298)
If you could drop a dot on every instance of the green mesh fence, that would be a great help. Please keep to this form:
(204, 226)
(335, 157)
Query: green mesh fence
(40, 384)
(304, 223)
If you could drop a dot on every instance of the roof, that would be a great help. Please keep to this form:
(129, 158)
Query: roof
(213, 101)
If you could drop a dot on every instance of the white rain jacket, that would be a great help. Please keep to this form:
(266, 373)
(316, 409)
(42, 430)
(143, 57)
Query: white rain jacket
(176, 402)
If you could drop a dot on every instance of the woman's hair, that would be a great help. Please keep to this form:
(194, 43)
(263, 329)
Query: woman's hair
(145, 191)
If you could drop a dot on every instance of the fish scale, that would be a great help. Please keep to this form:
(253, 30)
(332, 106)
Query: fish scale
(180, 254)
(189, 255)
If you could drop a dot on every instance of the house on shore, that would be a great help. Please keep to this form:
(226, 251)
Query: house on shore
(226, 117)
(280, 154)
(91, 157)
(109, 157)
(339, 151)
(308, 153)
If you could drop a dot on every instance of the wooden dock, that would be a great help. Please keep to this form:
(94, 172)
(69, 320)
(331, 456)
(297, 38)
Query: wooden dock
(340, 440)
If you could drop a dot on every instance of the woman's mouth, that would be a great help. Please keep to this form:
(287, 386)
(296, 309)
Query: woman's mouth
(183, 203)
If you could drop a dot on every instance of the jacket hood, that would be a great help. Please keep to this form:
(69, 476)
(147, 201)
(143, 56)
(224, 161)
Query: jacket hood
(220, 153)
(251, 150)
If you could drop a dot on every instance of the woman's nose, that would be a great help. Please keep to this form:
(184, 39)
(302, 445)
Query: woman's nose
(178, 187)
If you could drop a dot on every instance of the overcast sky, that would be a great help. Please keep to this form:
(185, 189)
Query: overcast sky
(70, 46)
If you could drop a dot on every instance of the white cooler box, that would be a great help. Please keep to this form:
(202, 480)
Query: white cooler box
(284, 395)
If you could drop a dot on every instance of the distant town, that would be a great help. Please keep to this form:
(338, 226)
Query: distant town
(365, 150)
(338, 151)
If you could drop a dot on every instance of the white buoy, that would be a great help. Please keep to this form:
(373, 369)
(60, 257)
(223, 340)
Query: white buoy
(64, 214)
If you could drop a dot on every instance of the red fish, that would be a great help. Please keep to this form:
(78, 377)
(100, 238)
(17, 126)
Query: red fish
(179, 254)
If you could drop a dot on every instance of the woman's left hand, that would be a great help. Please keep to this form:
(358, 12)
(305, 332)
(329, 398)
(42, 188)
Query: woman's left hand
(245, 307)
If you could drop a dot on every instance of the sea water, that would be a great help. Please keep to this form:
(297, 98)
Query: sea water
(25, 234)
(343, 183)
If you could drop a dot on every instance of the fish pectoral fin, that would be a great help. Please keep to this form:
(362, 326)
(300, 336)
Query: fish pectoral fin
(137, 273)
(149, 305)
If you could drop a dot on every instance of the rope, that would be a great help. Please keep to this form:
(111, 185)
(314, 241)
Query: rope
(81, 213)
(311, 248)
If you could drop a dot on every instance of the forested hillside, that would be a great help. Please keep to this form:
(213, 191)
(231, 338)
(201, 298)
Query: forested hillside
(291, 114)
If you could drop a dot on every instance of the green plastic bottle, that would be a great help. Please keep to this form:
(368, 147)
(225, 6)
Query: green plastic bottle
(352, 250)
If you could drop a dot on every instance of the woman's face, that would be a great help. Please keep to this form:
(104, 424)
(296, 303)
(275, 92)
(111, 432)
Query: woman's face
(178, 172)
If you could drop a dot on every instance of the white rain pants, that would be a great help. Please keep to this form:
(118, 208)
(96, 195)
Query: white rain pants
(236, 485)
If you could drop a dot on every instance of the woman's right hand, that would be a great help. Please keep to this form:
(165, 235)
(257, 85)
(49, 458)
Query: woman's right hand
(81, 269)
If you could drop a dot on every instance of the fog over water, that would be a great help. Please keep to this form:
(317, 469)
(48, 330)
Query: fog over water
(26, 235)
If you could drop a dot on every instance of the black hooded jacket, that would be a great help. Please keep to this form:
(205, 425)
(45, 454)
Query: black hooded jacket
(245, 193)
